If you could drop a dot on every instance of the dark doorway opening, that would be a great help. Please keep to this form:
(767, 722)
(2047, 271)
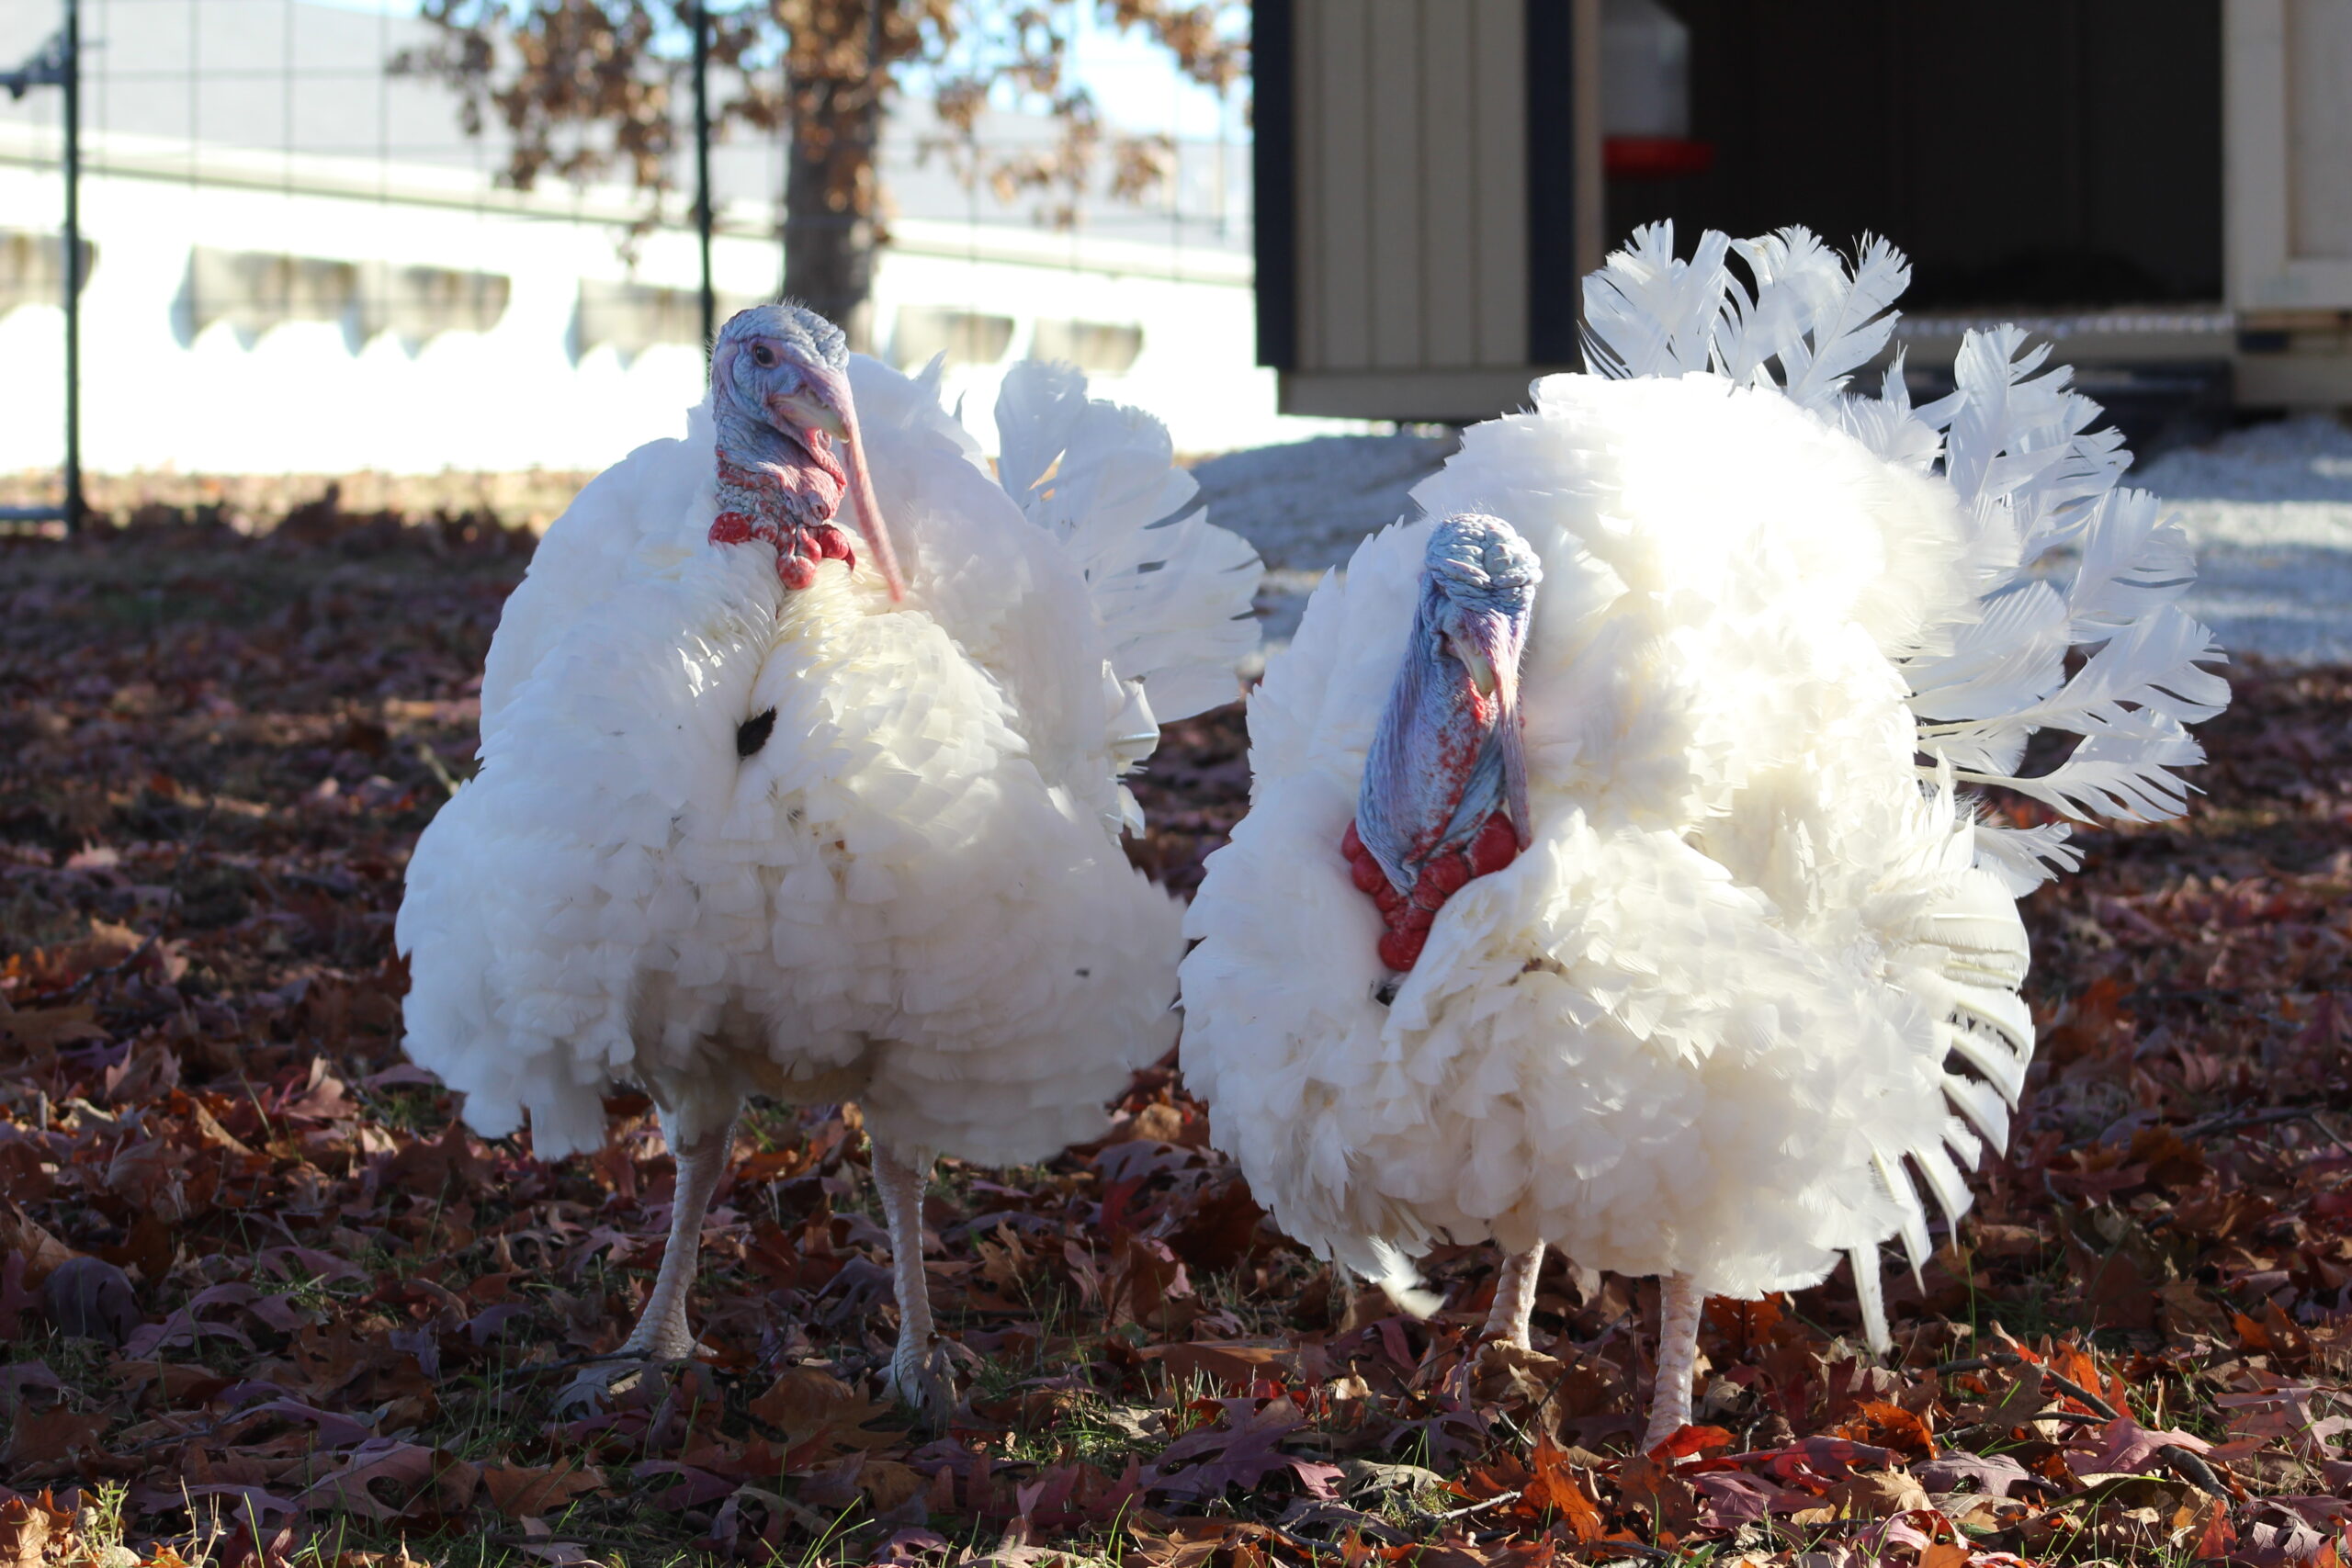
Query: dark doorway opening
(2051, 154)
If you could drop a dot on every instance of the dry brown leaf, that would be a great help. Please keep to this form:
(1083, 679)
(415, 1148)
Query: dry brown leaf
(52, 1027)
(810, 1405)
(30, 1528)
(1553, 1488)
(1234, 1366)
(1672, 1505)
(524, 1491)
(87, 1298)
(1876, 1494)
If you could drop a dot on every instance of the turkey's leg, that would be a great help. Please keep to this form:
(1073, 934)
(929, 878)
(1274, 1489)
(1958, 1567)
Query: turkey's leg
(920, 1373)
(661, 1333)
(1507, 1323)
(1680, 1300)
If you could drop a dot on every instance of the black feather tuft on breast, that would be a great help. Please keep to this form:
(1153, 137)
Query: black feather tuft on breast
(752, 733)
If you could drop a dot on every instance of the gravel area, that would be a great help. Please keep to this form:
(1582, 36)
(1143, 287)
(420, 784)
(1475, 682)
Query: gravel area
(2270, 508)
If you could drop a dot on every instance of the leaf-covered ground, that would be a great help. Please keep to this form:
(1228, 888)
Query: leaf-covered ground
(263, 1302)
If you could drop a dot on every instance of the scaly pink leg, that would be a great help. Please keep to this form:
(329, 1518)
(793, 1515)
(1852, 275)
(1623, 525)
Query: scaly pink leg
(1515, 1298)
(661, 1333)
(1679, 1300)
(920, 1371)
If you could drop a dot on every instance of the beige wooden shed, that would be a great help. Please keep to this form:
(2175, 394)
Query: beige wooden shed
(2166, 185)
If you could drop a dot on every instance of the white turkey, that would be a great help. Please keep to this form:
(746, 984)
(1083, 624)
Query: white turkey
(1607, 881)
(755, 818)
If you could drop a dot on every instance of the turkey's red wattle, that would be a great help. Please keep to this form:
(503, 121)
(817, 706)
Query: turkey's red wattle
(1408, 915)
(798, 549)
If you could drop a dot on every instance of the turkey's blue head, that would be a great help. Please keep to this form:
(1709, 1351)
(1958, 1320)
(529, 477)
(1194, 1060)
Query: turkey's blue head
(788, 444)
(1444, 793)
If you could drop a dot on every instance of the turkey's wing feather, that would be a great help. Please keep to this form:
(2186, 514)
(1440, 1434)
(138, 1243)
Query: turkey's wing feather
(592, 551)
(1172, 591)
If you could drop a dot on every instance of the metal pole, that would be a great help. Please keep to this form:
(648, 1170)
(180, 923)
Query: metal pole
(74, 507)
(702, 172)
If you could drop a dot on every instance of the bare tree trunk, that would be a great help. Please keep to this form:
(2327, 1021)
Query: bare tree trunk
(829, 228)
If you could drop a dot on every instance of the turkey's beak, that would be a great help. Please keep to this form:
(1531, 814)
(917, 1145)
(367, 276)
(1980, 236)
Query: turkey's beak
(1489, 646)
(824, 403)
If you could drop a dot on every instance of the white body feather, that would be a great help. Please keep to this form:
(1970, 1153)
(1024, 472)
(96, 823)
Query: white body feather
(913, 894)
(1754, 985)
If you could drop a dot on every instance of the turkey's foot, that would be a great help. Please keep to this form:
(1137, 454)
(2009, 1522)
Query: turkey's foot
(920, 1372)
(923, 1379)
(661, 1337)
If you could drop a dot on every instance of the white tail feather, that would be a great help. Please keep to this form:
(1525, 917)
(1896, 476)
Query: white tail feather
(1822, 322)
(1400, 1280)
(1174, 591)
(2029, 475)
(1648, 314)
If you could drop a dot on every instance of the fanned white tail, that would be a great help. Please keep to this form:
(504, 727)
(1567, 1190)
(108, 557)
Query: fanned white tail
(1173, 591)
(2035, 481)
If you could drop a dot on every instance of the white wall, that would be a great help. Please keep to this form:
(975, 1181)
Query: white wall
(302, 400)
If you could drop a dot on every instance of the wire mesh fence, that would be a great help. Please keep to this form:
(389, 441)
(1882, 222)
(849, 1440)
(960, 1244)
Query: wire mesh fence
(299, 266)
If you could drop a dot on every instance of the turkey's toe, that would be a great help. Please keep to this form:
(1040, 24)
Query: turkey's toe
(617, 1371)
(660, 1342)
(925, 1381)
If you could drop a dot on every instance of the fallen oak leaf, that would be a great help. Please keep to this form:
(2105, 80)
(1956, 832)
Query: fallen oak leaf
(525, 1491)
(1234, 1366)
(1372, 1475)
(2077, 1374)
(819, 1415)
(23, 1235)
(253, 1501)
(1219, 1229)
(1834, 1458)
(51, 1027)
(29, 1385)
(49, 1445)
(1879, 1495)
(30, 1528)
(1554, 1489)
(447, 1164)
(1240, 1454)
(1730, 1498)
(2210, 1529)
(689, 1488)
(1688, 1441)
(2283, 1410)
(1671, 1502)
(335, 1431)
(1889, 1426)
(87, 1298)
(562, 1553)
(1747, 1324)
(415, 1475)
(1992, 1475)
(2123, 1445)
(14, 1300)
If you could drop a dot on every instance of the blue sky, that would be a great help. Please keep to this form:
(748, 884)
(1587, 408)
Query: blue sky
(1133, 81)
